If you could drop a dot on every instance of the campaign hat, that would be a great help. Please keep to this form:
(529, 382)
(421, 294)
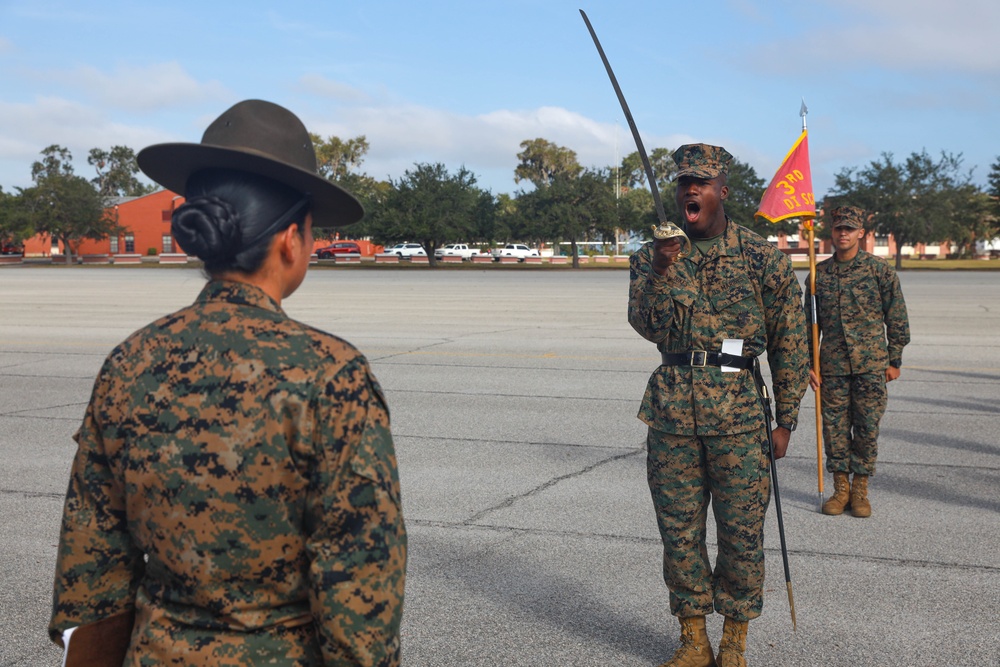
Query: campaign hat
(260, 138)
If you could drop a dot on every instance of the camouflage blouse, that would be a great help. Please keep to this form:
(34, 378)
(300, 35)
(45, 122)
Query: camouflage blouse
(236, 486)
(743, 288)
(861, 314)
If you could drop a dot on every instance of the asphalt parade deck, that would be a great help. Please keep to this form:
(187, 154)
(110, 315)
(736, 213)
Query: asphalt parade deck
(532, 539)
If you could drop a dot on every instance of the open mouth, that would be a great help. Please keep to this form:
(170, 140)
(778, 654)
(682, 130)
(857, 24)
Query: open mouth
(691, 211)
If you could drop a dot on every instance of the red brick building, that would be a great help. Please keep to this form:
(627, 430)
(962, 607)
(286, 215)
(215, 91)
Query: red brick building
(797, 245)
(146, 224)
(146, 221)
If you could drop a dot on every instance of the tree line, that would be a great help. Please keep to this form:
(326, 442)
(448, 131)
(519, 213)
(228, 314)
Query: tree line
(918, 200)
(69, 207)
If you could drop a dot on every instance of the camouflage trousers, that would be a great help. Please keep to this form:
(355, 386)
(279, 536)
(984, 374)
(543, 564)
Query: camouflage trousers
(731, 471)
(853, 405)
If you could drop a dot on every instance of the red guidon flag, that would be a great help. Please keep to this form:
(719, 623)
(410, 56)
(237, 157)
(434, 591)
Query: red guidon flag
(790, 194)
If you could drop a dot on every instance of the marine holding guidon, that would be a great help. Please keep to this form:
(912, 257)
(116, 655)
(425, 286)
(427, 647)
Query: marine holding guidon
(864, 328)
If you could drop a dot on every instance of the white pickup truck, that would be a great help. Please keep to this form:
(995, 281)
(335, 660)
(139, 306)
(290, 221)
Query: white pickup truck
(452, 249)
(518, 250)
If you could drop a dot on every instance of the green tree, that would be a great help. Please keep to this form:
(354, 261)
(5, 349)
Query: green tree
(994, 180)
(917, 201)
(993, 189)
(506, 222)
(64, 205)
(433, 207)
(116, 173)
(574, 208)
(662, 162)
(15, 226)
(336, 158)
(55, 161)
(372, 194)
(541, 161)
(975, 222)
(636, 199)
(340, 161)
(746, 189)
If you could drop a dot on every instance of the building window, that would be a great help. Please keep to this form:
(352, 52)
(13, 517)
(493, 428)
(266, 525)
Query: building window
(129, 243)
(882, 241)
(168, 244)
(114, 245)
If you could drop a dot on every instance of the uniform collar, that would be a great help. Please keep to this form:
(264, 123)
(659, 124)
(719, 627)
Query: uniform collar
(844, 266)
(728, 245)
(242, 294)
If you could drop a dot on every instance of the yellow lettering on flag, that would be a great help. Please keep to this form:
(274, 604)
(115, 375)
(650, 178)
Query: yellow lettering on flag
(790, 193)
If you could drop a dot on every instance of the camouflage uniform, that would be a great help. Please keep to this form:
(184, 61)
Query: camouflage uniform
(706, 428)
(236, 485)
(862, 317)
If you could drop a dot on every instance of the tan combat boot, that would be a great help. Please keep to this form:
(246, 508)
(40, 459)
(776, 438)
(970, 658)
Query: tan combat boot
(695, 651)
(733, 644)
(860, 507)
(841, 498)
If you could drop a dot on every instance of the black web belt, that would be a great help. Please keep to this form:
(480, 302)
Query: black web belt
(701, 358)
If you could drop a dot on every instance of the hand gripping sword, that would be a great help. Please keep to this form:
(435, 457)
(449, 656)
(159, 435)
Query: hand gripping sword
(666, 229)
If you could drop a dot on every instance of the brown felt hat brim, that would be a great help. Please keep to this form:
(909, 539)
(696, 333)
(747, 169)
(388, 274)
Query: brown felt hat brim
(171, 165)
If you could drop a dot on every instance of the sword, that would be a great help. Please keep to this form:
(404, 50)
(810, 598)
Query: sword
(666, 229)
(765, 401)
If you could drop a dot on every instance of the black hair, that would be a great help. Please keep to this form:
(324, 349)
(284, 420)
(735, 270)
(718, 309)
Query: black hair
(229, 218)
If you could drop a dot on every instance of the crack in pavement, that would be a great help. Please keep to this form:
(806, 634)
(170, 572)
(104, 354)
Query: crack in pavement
(549, 484)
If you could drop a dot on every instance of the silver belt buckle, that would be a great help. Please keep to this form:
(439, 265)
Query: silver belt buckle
(698, 358)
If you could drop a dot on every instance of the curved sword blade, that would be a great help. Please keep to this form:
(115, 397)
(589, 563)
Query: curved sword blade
(660, 214)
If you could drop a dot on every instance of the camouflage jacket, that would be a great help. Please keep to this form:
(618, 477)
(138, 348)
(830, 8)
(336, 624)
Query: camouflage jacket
(862, 315)
(235, 471)
(744, 288)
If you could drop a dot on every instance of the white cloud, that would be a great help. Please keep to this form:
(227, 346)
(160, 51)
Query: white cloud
(308, 30)
(155, 87)
(27, 128)
(842, 41)
(316, 84)
(917, 34)
(487, 144)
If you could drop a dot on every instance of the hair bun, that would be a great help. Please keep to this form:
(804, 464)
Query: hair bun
(207, 227)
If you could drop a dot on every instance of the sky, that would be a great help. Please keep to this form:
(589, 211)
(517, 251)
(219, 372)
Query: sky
(464, 82)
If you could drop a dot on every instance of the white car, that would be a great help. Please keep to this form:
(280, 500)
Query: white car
(407, 250)
(518, 250)
(456, 249)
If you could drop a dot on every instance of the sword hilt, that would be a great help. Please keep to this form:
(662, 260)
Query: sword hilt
(668, 230)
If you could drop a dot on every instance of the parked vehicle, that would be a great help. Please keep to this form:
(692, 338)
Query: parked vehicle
(460, 249)
(518, 250)
(11, 249)
(339, 248)
(407, 250)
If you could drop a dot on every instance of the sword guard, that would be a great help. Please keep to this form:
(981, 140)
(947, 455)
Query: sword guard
(668, 230)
